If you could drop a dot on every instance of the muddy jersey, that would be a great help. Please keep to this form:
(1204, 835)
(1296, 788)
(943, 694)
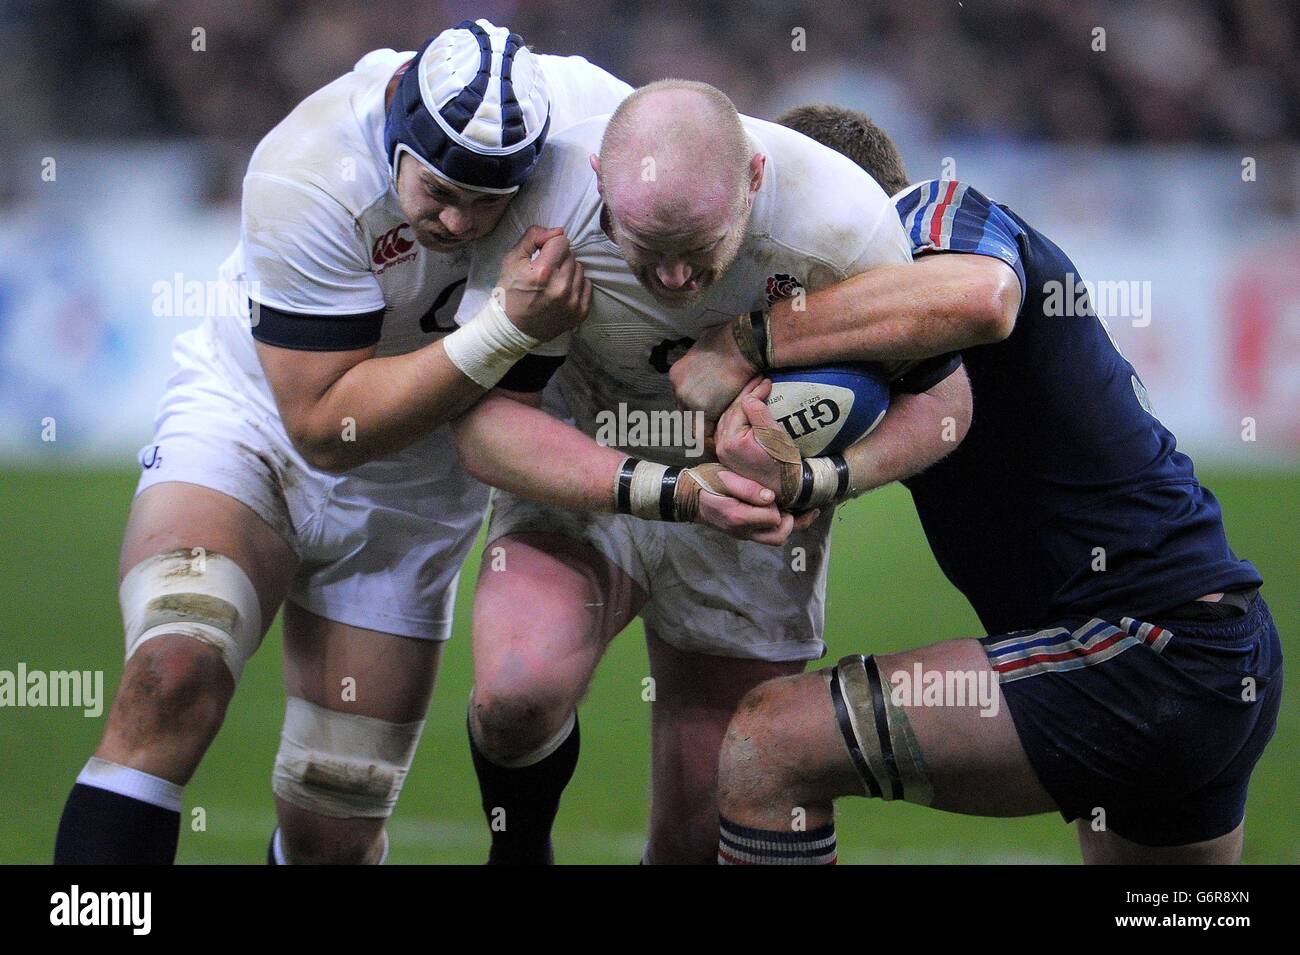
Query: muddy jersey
(816, 220)
(326, 256)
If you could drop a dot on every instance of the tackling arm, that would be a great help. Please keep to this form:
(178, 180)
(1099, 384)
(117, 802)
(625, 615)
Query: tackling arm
(939, 304)
(918, 431)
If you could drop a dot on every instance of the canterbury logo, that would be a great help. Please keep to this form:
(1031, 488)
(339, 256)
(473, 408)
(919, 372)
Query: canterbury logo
(390, 246)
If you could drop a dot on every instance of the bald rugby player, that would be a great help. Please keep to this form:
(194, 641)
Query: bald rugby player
(682, 214)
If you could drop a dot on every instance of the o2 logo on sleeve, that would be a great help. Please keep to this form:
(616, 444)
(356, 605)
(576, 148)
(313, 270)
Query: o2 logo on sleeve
(151, 457)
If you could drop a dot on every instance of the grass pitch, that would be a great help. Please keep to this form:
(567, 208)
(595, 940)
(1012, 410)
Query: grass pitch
(58, 554)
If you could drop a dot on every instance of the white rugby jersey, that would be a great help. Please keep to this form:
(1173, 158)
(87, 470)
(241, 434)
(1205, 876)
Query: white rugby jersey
(816, 220)
(323, 234)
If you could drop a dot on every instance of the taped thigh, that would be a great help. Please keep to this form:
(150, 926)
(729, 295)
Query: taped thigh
(342, 765)
(877, 733)
(197, 594)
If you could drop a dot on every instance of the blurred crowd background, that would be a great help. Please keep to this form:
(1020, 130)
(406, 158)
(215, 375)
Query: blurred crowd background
(1216, 71)
(1154, 139)
(1180, 71)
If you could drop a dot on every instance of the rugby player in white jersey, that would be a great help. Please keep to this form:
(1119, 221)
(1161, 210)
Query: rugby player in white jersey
(307, 463)
(683, 215)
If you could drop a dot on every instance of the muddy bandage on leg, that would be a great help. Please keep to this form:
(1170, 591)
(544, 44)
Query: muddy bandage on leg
(877, 733)
(205, 596)
(342, 764)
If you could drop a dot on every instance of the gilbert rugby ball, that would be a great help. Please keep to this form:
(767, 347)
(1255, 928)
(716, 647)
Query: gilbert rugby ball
(824, 410)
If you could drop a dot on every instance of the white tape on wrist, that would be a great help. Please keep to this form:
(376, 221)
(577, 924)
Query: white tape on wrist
(487, 346)
(824, 480)
(647, 491)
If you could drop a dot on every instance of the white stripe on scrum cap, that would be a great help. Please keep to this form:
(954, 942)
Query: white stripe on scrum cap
(450, 64)
(485, 127)
(918, 214)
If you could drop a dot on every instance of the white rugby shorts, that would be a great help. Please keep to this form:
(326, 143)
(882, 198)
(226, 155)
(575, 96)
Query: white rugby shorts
(380, 547)
(706, 592)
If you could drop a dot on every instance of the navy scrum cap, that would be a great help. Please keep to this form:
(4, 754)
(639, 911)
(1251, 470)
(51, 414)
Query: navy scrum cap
(473, 107)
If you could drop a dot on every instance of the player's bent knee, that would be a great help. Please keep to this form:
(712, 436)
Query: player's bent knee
(342, 765)
(1109, 848)
(877, 733)
(206, 598)
(513, 723)
(308, 838)
(757, 764)
(175, 683)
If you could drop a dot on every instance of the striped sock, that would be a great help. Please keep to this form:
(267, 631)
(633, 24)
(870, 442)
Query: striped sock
(741, 845)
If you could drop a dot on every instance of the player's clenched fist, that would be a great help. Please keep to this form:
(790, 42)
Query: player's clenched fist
(711, 373)
(705, 494)
(750, 442)
(542, 286)
(736, 506)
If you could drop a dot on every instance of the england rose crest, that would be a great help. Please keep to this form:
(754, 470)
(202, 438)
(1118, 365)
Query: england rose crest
(781, 286)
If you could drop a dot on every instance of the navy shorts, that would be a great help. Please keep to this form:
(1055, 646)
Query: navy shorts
(1156, 723)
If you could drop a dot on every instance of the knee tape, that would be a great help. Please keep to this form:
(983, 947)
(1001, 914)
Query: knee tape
(877, 733)
(341, 764)
(205, 596)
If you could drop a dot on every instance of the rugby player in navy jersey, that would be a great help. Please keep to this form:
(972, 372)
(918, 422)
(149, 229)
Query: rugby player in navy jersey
(1133, 673)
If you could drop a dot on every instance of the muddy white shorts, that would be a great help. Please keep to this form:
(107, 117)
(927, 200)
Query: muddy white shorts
(705, 592)
(380, 546)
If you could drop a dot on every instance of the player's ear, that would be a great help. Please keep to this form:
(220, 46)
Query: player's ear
(595, 167)
(756, 167)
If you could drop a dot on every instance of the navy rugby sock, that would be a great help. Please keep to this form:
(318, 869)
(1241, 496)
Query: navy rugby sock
(520, 802)
(116, 815)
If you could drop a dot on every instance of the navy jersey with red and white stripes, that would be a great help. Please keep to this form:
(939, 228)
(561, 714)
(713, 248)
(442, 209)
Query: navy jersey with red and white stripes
(1068, 496)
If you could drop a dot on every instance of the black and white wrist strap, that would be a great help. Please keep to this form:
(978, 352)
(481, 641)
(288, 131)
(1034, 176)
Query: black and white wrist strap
(824, 480)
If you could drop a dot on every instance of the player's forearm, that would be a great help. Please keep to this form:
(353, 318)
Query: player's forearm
(528, 452)
(917, 432)
(938, 304)
(382, 405)
(345, 408)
